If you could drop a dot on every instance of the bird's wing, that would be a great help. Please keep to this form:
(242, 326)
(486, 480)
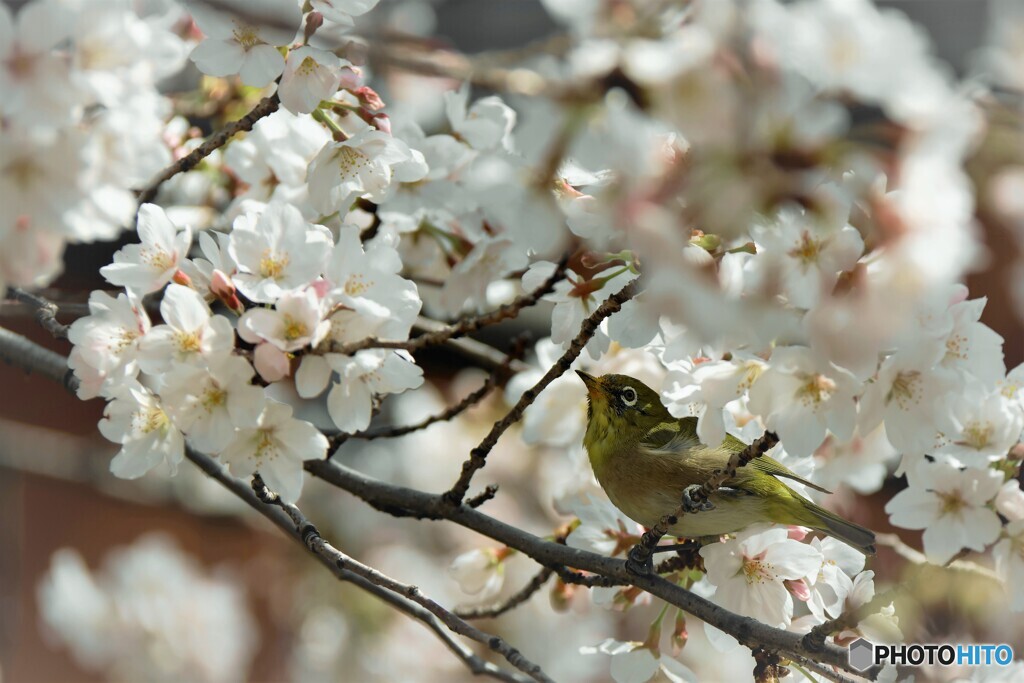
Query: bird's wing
(680, 436)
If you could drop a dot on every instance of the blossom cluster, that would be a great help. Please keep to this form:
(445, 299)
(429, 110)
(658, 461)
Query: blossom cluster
(83, 123)
(150, 612)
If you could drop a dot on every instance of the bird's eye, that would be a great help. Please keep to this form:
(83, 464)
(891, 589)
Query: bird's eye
(629, 396)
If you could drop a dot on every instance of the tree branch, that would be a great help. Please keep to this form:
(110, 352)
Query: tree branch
(463, 327)
(265, 107)
(46, 311)
(521, 596)
(478, 456)
(318, 545)
(494, 379)
(410, 502)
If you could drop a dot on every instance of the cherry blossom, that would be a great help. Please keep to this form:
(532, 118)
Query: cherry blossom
(208, 404)
(800, 395)
(341, 12)
(147, 267)
(364, 163)
(295, 321)
(310, 76)
(634, 662)
(190, 336)
(137, 420)
(107, 342)
(951, 505)
(275, 447)
(235, 45)
(275, 251)
(480, 572)
(750, 571)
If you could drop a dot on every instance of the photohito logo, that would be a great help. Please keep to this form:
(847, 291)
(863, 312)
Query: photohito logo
(864, 654)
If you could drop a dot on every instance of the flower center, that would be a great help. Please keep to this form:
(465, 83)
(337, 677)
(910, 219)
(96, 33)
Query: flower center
(356, 284)
(152, 419)
(294, 329)
(951, 502)
(307, 67)
(246, 36)
(807, 250)
(816, 389)
(188, 342)
(977, 434)
(266, 444)
(351, 161)
(157, 258)
(956, 347)
(214, 397)
(905, 389)
(756, 570)
(271, 267)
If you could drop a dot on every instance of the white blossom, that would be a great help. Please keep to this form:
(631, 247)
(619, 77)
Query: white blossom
(277, 250)
(190, 336)
(147, 267)
(951, 505)
(276, 446)
(137, 420)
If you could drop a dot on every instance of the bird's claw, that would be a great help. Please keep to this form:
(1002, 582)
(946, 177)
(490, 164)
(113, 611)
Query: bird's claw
(695, 500)
(639, 561)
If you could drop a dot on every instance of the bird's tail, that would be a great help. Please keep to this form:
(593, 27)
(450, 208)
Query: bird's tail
(849, 533)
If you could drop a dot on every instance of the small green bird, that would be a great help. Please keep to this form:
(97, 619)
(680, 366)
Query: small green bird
(644, 459)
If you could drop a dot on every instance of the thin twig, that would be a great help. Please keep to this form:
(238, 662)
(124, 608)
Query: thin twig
(478, 456)
(497, 376)
(482, 355)
(463, 327)
(641, 553)
(46, 311)
(319, 546)
(265, 107)
(521, 596)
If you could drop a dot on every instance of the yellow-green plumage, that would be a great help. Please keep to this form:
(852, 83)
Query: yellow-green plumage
(644, 458)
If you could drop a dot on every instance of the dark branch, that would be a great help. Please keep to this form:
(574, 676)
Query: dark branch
(410, 502)
(46, 311)
(521, 596)
(265, 107)
(478, 456)
(497, 376)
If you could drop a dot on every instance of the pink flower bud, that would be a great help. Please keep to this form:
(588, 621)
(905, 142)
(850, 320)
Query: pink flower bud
(181, 278)
(369, 98)
(321, 287)
(222, 288)
(797, 533)
(351, 79)
(314, 20)
(271, 362)
(799, 589)
(382, 123)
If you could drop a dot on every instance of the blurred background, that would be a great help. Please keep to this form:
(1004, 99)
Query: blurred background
(171, 579)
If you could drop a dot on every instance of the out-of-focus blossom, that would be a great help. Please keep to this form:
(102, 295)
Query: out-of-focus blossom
(480, 572)
(951, 505)
(150, 613)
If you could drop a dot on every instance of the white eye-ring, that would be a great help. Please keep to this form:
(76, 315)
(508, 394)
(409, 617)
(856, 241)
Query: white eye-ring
(629, 396)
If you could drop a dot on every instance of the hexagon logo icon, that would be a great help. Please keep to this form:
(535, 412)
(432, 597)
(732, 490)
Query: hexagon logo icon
(861, 654)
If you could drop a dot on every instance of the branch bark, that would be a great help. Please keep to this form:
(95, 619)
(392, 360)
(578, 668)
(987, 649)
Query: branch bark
(265, 107)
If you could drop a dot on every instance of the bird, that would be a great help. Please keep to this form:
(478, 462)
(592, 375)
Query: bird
(646, 460)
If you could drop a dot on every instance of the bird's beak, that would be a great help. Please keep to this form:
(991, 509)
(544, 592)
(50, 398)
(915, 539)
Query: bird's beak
(593, 384)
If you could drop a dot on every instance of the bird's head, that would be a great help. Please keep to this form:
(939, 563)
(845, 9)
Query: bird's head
(622, 405)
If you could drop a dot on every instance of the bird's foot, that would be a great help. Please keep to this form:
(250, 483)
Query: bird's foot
(695, 500)
(639, 561)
